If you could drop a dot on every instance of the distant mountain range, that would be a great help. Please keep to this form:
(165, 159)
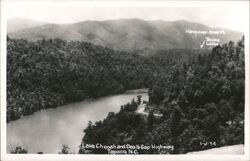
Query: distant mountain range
(121, 34)
(17, 24)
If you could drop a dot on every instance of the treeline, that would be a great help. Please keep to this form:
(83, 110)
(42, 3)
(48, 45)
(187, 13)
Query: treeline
(17, 149)
(202, 102)
(49, 73)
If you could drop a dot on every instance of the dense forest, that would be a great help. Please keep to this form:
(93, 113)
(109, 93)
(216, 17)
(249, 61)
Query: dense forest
(201, 101)
(53, 72)
(199, 93)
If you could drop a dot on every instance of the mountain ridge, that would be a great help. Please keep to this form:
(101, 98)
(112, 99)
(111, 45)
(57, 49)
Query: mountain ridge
(126, 34)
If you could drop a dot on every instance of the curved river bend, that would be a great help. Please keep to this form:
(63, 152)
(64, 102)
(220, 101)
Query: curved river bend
(46, 131)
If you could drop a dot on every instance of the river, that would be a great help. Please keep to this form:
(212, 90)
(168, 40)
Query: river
(46, 131)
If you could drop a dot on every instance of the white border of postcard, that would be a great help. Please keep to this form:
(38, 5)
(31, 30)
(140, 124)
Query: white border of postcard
(90, 157)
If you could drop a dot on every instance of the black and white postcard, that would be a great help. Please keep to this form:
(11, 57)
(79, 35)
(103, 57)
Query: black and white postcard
(118, 80)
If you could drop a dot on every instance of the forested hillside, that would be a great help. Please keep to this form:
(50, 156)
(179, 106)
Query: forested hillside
(201, 101)
(49, 73)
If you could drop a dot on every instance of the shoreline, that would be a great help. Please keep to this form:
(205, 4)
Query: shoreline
(132, 91)
(142, 90)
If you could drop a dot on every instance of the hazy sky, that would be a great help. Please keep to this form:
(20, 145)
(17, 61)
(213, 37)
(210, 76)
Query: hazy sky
(226, 17)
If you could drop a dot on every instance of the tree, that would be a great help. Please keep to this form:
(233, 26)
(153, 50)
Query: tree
(19, 150)
(65, 150)
(151, 119)
(139, 99)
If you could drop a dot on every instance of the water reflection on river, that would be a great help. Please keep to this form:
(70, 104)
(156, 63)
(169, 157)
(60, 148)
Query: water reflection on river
(46, 131)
